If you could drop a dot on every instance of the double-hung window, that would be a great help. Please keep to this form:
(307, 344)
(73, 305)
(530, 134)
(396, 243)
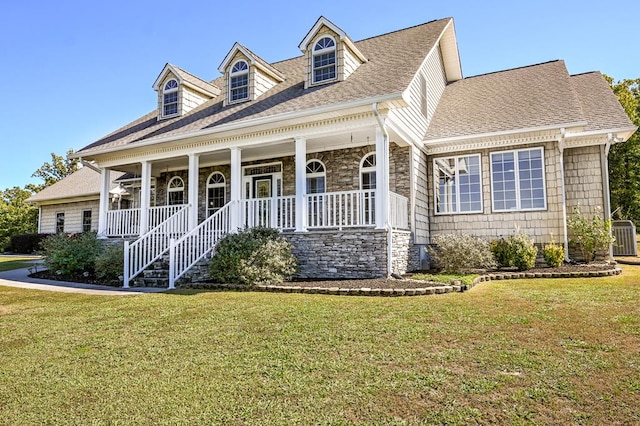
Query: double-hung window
(517, 180)
(458, 184)
(324, 60)
(170, 98)
(86, 220)
(239, 82)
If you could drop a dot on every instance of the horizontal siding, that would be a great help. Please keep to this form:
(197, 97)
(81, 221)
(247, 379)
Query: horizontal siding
(191, 99)
(421, 231)
(261, 83)
(72, 216)
(351, 63)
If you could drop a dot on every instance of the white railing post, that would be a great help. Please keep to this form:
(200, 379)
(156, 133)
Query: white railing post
(172, 263)
(126, 272)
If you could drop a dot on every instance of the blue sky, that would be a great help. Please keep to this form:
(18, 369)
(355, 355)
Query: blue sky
(73, 71)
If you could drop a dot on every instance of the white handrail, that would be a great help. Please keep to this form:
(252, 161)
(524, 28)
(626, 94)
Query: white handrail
(149, 247)
(196, 244)
(399, 214)
(341, 209)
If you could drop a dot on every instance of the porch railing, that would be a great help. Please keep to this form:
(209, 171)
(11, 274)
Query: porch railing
(149, 247)
(123, 223)
(196, 244)
(398, 211)
(275, 212)
(341, 209)
(126, 222)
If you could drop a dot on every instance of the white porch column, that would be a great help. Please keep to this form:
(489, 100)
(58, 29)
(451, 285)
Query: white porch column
(105, 186)
(301, 185)
(145, 196)
(382, 179)
(194, 167)
(236, 189)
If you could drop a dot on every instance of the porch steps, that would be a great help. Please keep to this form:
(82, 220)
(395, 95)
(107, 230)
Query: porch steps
(157, 274)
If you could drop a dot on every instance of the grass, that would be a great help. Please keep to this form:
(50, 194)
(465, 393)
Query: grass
(506, 352)
(8, 263)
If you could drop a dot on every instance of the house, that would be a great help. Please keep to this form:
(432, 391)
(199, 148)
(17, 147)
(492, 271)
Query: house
(359, 152)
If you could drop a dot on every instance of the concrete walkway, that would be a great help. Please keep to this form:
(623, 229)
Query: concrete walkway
(20, 278)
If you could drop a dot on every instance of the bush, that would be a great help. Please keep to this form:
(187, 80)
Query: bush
(109, 264)
(26, 243)
(553, 254)
(254, 256)
(71, 254)
(518, 250)
(524, 252)
(590, 235)
(458, 254)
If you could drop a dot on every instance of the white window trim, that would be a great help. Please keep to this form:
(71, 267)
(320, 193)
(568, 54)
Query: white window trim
(170, 190)
(238, 74)
(517, 180)
(436, 187)
(223, 184)
(167, 91)
(314, 175)
(367, 169)
(315, 53)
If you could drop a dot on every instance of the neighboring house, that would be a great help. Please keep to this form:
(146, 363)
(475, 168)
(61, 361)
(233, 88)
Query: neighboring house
(72, 204)
(360, 152)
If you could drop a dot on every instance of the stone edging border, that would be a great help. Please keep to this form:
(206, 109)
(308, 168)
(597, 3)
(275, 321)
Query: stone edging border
(389, 292)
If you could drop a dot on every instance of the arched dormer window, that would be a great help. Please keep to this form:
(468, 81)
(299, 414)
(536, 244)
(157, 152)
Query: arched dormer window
(170, 98)
(216, 192)
(239, 82)
(175, 191)
(324, 60)
(316, 177)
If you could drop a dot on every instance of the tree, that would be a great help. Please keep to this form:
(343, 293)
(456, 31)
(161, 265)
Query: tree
(16, 215)
(624, 158)
(59, 168)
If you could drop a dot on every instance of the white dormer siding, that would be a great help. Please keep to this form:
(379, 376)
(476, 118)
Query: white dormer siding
(423, 95)
(351, 62)
(191, 99)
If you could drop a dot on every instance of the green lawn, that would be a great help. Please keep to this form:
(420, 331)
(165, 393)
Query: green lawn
(507, 352)
(8, 263)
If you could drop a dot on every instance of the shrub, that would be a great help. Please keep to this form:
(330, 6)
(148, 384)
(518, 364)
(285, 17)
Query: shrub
(553, 254)
(524, 251)
(71, 254)
(26, 243)
(253, 256)
(110, 263)
(458, 254)
(590, 235)
(502, 252)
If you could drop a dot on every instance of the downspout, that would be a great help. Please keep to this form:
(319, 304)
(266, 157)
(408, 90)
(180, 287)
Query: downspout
(606, 196)
(561, 146)
(385, 158)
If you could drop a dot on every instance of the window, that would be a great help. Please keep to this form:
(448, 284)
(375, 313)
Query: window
(175, 191)
(316, 177)
(86, 220)
(59, 223)
(458, 184)
(216, 197)
(517, 180)
(368, 172)
(239, 81)
(170, 98)
(324, 60)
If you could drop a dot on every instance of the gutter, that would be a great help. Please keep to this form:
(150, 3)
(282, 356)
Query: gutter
(385, 158)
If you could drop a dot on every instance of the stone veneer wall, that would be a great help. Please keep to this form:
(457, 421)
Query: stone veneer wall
(347, 254)
(538, 224)
(401, 252)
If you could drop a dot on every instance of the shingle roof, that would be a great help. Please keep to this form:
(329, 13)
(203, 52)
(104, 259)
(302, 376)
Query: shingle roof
(84, 182)
(533, 96)
(196, 81)
(393, 60)
(600, 105)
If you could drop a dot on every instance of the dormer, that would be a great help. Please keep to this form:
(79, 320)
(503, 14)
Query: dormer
(179, 92)
(246, 75)
(330, 54)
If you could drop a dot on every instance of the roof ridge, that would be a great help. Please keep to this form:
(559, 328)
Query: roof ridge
(513, 69)
(404, 29)
(584, 73)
